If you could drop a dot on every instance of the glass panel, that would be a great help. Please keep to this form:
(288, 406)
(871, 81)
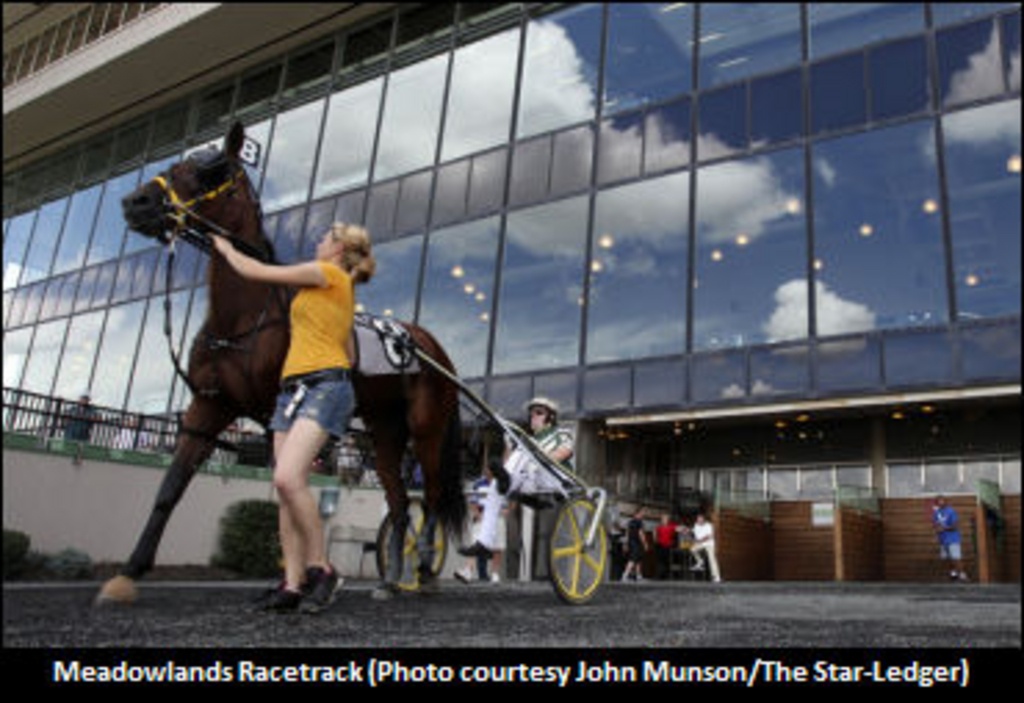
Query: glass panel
(667, 137)
(450, 192)
(572, 161)
(836, 27)
(45, 357)
(104, 283)
(348, 138)
(816, 482)
(837, 94)
(853, 476)
(487, 182)
(902, 92)
(1011, 476)
(718, 377)
(774, 112)
(79, 351)
(542, 287)
(983, 156)
(1011, 49)
(151, 390)
(918, 358)
(723, 123)
(16, 241)
(559, 85)
(969, 62)
(110, 226)
(775, 372)
(367, 45)
(621, 148)
(849, 364)
(782, 484)
(659, 383)
(380, 212)
(480, 97)
(392, 290)
(15, 356)
(604, 389)
(412, 116)
(947, 12)
(904, 480)
(308, 69)
(650, 47)
(984, 469)
(531, 164)
(508, 396)
(943, 478)
(991, 352)
(288, 238)
(44, 240)
(117, 353)
(743, 39)
(33, 302)
(319, 220)
(458, 291)
(413, 200)
(638, 270)
(559, 387)
(290, 157)
(879, 254)
(751, 249)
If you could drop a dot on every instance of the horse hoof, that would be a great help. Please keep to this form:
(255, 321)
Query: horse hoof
(119, 590)
(385, 591)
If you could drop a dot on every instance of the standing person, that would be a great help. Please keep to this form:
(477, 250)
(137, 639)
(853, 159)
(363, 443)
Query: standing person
(636, 546)
(83, 416)
(666, 541)
(704, 542)
(946, 524)
(316, 398)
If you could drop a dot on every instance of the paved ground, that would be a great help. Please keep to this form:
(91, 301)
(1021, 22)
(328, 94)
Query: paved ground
(688, 615)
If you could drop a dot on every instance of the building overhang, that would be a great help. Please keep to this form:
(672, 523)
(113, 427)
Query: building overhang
(829, 405)
(174, 52)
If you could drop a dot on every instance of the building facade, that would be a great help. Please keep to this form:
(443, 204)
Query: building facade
(767, 249)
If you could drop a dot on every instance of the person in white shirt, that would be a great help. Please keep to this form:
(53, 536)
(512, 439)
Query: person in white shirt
(704, 543)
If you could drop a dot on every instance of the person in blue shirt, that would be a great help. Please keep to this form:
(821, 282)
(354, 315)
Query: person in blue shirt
(946, 523)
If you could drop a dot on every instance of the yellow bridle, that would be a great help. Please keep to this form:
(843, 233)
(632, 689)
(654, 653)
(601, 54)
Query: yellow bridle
(184, 207)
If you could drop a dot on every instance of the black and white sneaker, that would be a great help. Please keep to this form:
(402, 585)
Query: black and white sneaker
(321, 585)
(283, 600)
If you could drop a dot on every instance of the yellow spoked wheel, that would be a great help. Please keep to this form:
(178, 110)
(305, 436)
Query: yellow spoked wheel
(410, 577)
(576, 570)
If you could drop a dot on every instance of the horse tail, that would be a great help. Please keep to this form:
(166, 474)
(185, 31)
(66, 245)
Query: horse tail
(452, 507)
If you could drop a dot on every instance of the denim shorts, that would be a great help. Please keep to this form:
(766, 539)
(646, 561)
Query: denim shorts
(328, 403)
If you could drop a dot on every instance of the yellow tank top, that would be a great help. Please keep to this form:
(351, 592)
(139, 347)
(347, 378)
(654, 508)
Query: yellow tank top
(321, 322)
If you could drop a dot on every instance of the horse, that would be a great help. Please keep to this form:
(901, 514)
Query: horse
(235, 362)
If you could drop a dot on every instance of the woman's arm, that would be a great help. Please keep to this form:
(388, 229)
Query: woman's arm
(307, 274)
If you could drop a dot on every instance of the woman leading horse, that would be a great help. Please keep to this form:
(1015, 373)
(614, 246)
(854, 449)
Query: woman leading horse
(316, 399)
(236, 361)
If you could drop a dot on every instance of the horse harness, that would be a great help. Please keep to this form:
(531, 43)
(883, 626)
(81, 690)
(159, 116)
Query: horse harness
(210, 170)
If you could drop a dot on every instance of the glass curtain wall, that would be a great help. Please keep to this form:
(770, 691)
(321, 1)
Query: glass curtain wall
(651, 204)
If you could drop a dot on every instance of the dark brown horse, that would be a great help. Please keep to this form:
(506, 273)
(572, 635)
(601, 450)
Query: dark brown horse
(236, 358)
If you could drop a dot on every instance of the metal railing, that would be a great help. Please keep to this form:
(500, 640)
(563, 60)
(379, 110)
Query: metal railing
(50, 418)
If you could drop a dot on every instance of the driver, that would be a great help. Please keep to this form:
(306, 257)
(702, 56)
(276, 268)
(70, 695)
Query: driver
(521, 474)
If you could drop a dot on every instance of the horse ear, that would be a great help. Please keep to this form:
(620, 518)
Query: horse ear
(234, 141)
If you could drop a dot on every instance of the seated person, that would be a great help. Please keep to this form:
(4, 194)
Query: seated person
(521, 475)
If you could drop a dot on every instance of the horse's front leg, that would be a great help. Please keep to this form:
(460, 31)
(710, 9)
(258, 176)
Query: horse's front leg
(191, 451)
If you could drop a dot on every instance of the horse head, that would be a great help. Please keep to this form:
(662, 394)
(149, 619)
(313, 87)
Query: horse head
(208, 191)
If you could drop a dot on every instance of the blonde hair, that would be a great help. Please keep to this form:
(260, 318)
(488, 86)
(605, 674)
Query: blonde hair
(358, 257)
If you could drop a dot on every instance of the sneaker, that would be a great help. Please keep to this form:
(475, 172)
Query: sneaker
(495, 578)
(464, 575)
(321, 585)
(283, 600)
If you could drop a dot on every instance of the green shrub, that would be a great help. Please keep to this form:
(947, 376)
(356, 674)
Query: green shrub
(16, 545)
(70, 564)
(249, 543)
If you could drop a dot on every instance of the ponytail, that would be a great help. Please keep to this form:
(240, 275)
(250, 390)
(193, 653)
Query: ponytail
(357, 259)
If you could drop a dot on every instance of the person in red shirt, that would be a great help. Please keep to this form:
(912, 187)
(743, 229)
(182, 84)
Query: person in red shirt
(666, 539)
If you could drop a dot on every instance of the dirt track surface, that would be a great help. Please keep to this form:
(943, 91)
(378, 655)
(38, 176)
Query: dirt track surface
(685, 615)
